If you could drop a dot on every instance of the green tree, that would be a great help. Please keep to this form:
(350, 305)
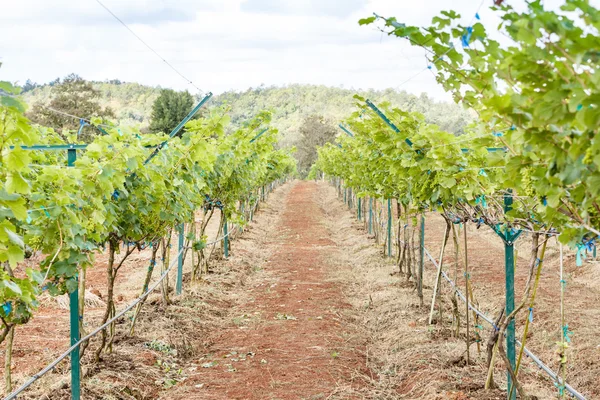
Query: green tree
(169, 109)
(74, 96)
(315, 131)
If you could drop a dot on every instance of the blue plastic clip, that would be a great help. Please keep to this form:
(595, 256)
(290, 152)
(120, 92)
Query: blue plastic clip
(567, 333)
(7, 308)
(466, 38)
(563, 282)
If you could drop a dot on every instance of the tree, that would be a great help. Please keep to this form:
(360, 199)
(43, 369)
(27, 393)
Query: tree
(74, 96)
(314, 131)
(28, 86)
(169, 109)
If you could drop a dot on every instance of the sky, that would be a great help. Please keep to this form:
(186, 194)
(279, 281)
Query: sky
(222, 45)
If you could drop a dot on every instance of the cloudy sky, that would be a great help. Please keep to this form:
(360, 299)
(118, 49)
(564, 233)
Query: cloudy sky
(221, 44)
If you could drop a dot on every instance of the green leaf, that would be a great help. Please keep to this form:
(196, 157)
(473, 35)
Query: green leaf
(448, 182)
(15, 255)
(15, 183)
(12, 286)
(71, 285)
(12, 102)
(14, 238)
(366, 21)
(36, 276)
(17, 159)
(18, 208)
(132, 163)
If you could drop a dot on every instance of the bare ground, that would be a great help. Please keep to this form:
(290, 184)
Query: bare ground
(307, 307)
(417, 361)
(165, 337)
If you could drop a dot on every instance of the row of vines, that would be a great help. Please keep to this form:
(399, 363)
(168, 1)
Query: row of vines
(123, 192)
(530, 163)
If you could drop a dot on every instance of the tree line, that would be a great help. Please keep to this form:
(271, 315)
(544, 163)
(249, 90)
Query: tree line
(306, 115)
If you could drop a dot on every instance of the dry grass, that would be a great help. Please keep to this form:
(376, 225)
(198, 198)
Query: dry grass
(409, 358)
(167, 339)
(62, 301)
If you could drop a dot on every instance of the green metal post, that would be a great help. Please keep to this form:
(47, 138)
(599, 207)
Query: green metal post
(389, 232)
(180, 126)
(346, 130)
(179, 283)
(74, 319)
(359, 210)
(225, 240)
(386, 120)
(422, 256)
(350, 198)
(345, 196)
(509, 269)
(370, 215)
(259, 135)
(262, 188)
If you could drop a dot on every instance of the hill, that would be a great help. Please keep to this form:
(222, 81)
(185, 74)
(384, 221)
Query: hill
(132, 104)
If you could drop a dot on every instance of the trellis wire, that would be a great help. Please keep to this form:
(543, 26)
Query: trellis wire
(149, 47)
(53, 364)
(74, 116)
(532, 356)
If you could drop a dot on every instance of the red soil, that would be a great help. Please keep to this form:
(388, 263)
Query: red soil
(298, 348)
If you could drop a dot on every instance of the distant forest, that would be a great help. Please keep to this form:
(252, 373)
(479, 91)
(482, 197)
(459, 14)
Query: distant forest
(291, 105)
(305, 115)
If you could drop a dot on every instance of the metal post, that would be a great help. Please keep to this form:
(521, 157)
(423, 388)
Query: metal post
(74, 318)
(370, 215)
(509, 269)
(422, 256)
(359, 210)
(180, 126)
(179, 284)
(386, 120)
(259, 135)
(225, 240)
(389, 232)
(350, 198)
(345, 196)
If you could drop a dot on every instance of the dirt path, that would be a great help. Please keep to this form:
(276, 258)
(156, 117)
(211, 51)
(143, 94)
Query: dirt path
(307, 307)
(296, 345)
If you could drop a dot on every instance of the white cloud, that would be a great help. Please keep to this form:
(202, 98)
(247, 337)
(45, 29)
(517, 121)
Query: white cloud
(220, 45)
(333, 8)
